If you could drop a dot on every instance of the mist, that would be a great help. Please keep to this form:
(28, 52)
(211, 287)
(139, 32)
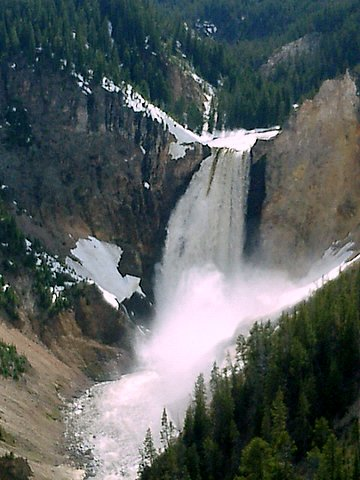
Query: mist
(206, 310)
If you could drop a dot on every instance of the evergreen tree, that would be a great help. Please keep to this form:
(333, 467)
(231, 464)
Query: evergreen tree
(282, 445)
(167, 432)
(147, 453)
(256, 461)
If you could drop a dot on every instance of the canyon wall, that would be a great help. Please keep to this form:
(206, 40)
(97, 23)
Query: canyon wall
(305, 190)
(91, 166)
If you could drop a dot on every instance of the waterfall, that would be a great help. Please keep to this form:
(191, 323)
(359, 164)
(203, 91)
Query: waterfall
(204, 295)
(201, 260)
(207, 225)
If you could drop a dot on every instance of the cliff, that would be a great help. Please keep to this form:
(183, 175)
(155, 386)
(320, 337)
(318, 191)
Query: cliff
(310, 196)
(306, 46)
(88, 165)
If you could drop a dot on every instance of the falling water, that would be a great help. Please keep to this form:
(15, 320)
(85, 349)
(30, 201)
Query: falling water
(204, 295)
(206, 228)
(195, 311)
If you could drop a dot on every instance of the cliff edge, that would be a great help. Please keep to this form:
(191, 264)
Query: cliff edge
(312, 180)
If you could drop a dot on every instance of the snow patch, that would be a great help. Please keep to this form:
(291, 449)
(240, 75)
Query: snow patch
(110, 28)
(183, 138)
(206, 27)
(83, 83)
(109, 298)
(209, 95)
(178, 150)
(97, 261)
(56, 291)
(241, 140)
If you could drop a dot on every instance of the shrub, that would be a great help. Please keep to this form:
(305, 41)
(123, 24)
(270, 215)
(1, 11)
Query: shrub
(11, 363)
(14, 468)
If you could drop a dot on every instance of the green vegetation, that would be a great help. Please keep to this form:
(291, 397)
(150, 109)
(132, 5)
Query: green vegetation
(6, 437)
(11, 363)
(116, 38)
(136, 40)
(249, 32)
(12, 242)
(14, 468)
(8, 300)
(275, 412)
(18, 259)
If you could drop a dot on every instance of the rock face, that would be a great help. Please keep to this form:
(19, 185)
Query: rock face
(312, 180)
(307, 45)
(91, 166)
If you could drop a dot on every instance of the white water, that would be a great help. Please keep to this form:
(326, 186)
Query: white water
(204, 295)
(206, 228)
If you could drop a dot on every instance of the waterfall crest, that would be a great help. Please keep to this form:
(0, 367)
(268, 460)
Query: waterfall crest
(207, 225)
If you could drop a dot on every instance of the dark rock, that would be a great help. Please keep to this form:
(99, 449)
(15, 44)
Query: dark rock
(85, 169)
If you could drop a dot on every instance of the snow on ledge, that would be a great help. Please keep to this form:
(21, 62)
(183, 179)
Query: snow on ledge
(184, 138)
(240, 140)
(97, 262)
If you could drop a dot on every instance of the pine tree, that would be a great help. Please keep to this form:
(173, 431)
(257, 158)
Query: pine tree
(282, 445)
(331, 461)
(147, 453)
(256, 461)
(167, 431)
(201, 421)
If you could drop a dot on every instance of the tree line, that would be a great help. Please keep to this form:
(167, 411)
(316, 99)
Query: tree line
(248, 33)
(135, 41)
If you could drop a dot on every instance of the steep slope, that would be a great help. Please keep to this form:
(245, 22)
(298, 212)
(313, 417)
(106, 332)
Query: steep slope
(312, 179)
(30, 416)
(68, 335)
(93, 166)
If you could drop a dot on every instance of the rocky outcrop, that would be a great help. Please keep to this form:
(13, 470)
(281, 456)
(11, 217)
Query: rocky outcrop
(91, 335)
(91, 166)
(306, 46)
(312, 180)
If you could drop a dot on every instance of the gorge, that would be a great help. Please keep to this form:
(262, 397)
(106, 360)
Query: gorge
(206, 293)
(112, 170)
